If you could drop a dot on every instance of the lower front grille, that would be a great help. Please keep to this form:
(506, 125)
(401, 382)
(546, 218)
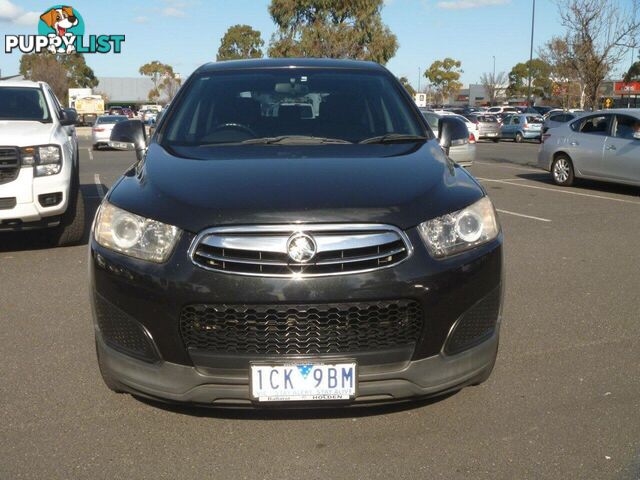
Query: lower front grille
(301, 329)
(9, 164)
(7, 203)
(122, 332)
(476, 324)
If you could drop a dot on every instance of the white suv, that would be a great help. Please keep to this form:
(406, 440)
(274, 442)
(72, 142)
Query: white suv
(39, 163)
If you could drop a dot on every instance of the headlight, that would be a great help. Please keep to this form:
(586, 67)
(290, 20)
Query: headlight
(133, 235)
(47, 159)
(462, 230)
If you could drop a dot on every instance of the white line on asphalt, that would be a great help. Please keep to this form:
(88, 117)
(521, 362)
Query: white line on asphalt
(503, 165)
(90, 154)
(523, 215)
(99, 187)
(557, 190)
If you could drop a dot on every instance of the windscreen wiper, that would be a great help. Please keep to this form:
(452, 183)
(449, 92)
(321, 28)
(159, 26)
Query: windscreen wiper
(293, 139)
(394, 137)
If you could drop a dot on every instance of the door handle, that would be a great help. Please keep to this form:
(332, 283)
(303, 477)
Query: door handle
(574, 144)
(610, 147)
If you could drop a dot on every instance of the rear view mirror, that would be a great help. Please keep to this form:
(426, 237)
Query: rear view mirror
(451, 132)
(129, 135)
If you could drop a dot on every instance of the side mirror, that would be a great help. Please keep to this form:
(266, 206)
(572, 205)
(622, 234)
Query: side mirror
(129, 135)
(451, 132)
(69, 117)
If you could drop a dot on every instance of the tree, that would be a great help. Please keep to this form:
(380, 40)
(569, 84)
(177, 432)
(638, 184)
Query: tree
(164, 80)
(331, 28)
(634, 72)
(408, 87)
(541, 84)
(240, 41)
(493, 84)
(596, 34)
(444, 75)
(60, 71)
(566, 83)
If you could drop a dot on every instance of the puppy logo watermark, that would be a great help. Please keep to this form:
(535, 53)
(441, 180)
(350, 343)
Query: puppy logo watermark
(61, 30)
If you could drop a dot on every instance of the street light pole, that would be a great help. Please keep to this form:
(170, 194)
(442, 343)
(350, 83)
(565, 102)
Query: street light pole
(533, 21)
(418, 79)
(493, 80)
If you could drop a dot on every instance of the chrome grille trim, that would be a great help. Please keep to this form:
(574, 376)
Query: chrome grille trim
(261, 250)
(9, 164)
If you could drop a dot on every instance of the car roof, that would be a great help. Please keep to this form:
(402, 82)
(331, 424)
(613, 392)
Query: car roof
(288, 63)
(20, 83)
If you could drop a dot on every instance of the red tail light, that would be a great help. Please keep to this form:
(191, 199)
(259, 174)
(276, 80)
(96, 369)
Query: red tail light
(472, 139)
(98, 129)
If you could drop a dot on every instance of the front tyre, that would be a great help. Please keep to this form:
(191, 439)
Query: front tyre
(562, 171)
(71, 228)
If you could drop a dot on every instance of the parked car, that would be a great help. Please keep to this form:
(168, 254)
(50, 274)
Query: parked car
(101, 131)
(558, 118)
(39, 164)
(463, 154)
(601, 146)
(502, 110)
(250, 260)
(540, 110)
(487, 125)
(522, 127)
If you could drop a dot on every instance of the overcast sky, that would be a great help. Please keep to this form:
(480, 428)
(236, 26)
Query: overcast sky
(187, 33)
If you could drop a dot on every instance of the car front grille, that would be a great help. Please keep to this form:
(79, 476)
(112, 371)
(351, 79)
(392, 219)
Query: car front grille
(264, 250)
(7, 203)
(9, 164)
(301, 329)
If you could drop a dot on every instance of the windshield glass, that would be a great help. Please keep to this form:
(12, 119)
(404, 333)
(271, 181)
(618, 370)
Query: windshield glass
(23, 103)
(531, 119)
(244, 106)
(111, 119)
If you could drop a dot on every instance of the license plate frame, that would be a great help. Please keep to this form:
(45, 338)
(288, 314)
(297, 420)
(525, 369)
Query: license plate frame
(295, 365)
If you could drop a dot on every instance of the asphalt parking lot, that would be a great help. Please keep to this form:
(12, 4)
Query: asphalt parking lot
(562, 402)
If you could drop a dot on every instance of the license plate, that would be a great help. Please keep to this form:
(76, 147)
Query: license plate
(303, 382)
(491, 134)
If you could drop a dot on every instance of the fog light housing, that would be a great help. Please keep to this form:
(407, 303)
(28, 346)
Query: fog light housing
(50, 199)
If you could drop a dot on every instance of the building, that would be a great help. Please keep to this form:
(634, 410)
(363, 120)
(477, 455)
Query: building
(125, 91)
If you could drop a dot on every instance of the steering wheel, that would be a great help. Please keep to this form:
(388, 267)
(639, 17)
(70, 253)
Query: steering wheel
(236, 126)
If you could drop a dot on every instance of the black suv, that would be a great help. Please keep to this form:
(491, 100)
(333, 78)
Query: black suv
(294, 234)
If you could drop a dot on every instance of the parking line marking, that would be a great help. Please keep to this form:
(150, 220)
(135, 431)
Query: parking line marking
(99, 187)
(602, 197)
(523, 215)
(513, 167)
(90, 154)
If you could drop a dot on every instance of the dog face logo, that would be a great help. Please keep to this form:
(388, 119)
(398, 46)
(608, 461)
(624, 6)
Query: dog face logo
(60, 19)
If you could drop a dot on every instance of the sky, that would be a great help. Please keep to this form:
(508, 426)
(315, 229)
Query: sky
(187, 33)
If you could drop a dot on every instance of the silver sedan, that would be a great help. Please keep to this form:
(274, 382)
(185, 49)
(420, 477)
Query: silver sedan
(601, 145)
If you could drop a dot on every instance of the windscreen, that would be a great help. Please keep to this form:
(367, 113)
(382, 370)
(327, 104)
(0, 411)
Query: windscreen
(232, 107)
(487, 119)
(111, 119)
(23, 103)
(534, 119)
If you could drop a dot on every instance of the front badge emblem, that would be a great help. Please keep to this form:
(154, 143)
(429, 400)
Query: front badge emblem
(301, 247)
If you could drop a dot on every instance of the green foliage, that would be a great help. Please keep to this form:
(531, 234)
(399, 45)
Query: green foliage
(80, 75)
(240, 41)
(541, 83)
(633, 74)
(163, 78)
(444, 75)
(331, 28)
(408, 87)
(60, 71)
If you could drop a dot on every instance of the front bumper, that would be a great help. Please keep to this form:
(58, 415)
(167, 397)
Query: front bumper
(152, 296)
(26, 190)
(173, 382)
